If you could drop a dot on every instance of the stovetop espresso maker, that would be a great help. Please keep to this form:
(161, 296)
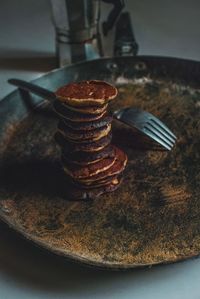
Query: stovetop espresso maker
(80, 30)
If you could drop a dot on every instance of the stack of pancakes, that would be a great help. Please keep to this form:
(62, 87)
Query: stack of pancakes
(84, 134)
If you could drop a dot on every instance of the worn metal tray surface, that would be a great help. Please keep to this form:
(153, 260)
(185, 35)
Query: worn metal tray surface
(154, 217)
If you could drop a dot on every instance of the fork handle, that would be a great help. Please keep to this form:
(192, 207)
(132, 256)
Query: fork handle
(40, 91)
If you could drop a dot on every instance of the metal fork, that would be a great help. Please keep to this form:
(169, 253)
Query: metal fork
(144, 121)
(148, 124)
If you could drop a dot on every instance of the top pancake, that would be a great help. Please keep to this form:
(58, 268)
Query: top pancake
(86, 93)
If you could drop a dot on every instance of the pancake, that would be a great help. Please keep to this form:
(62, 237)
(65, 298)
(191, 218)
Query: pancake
(103, 121)
(82, 135)
(79, 171)
(86, 93)
(74, 116)
(110, 180)
(99, 181)
(87, 109)
(114, 181)
(83, 194)
(85, 158)
(88, 147)
(117, 167)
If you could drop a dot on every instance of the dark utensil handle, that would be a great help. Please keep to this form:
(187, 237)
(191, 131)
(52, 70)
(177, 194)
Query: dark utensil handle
(125, 42)
(118, 5)
(40, 91)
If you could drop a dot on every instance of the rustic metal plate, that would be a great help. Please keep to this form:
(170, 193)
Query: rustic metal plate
(154, 217)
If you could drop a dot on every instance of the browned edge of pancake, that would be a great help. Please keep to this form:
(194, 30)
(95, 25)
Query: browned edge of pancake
(79, 171)
(78, 194)
(73, 116)
(81, 136)
(86, 93)
(92, 125)
(87, 109)
(113, 179)
(118, 166)
(85, 158)
(88, 146)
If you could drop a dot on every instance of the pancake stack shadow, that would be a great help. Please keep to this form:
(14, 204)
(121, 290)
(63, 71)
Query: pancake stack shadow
(92, 164)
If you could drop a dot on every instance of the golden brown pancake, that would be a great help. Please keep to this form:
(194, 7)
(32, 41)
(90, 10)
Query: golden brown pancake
(87, 109)
(117, 168)
(75, 193)
(85, 158)
(82, 135)
(79, 171)
(88, 146)
(74, 116)
(92, 125)
(100, 183)
(115, 181)
(86, 93)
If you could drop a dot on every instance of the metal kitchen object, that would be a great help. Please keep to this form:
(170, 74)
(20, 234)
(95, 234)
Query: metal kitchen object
(154, 217)
(79, 30)
(147, 124)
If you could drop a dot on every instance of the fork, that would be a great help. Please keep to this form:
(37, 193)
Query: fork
(148, 124)
(143, 121)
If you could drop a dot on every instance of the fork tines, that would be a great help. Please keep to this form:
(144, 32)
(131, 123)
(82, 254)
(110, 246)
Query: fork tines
(155, 129)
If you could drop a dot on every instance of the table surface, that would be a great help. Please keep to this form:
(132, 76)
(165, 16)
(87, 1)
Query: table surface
(27, 51)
